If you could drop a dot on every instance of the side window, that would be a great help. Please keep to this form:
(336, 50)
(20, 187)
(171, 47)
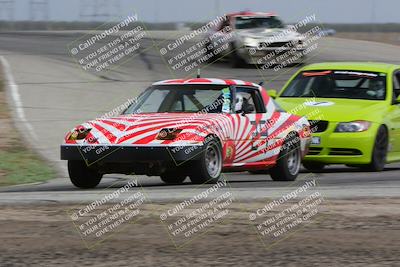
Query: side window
(396, 85)
(249, 101)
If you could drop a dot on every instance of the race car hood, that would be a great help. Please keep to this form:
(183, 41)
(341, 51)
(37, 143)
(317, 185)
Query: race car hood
(143, 128)
(271, 35)
(334, 109)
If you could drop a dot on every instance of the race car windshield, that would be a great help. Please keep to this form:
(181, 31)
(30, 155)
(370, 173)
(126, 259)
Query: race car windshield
(183, 98)
(338, 84)
(258, 22)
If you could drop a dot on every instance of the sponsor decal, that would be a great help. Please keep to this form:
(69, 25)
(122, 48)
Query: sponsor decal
(229, 152)
(226, 107)
(319, 103)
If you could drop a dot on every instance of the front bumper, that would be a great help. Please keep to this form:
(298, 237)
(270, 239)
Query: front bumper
(127, 154)
(343, 148)
(272, 56)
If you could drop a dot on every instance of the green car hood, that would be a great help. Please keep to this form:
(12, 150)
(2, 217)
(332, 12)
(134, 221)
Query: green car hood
(334, 109)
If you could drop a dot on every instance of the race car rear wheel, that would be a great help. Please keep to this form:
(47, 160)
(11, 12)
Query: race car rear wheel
(170, 178)
(313, 166)
(83, 176)
(288, 164)
(379, 154)
(209, 167)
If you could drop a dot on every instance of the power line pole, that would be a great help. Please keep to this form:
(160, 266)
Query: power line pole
(39, 10)
(99, 10)
(7, 10)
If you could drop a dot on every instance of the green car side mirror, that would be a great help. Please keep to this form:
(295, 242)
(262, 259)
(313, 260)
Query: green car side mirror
(397, 100)
(272, 93)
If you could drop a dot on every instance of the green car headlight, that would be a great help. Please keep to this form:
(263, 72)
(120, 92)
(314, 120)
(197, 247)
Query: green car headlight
(352, 127)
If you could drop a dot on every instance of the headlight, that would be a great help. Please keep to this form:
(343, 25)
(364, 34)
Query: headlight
(79, 134)
(351, 127)
(248, 41)
(168, 134)
(306, 129)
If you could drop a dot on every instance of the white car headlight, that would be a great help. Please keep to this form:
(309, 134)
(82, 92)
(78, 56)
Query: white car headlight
(354, 126)
(248, 41)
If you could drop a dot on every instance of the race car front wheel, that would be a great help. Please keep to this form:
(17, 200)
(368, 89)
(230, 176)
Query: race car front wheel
(288, 164)
(82, 176)
(379, 154)
(209, 166)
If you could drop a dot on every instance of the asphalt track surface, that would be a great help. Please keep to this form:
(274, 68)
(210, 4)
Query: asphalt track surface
(56, 94)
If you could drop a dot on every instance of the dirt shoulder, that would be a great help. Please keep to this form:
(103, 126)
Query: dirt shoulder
(363, 232)
(18, 163)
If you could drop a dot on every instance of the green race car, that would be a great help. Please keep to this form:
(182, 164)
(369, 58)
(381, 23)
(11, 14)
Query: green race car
(354, 110)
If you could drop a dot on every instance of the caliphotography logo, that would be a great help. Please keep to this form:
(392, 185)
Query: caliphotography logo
(284, 216)
(198, 213)
(109, 46)
(109, 214)
(199, 133)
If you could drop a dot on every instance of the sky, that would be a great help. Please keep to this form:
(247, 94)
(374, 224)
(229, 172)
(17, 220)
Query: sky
(332, 11)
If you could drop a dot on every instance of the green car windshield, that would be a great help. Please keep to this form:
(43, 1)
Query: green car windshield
(338, 84)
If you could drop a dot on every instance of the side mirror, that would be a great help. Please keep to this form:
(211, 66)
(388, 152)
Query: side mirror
(272, 93)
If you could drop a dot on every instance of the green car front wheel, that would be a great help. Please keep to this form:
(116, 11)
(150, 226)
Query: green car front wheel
(379, 154)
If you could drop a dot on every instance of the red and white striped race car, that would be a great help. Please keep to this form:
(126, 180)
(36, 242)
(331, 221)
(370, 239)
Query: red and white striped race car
(190, 127)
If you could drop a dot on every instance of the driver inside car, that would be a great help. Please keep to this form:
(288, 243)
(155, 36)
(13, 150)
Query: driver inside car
(243, 104)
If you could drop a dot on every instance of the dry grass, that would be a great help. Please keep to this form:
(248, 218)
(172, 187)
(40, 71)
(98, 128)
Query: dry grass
(8, 137)
(18, 164)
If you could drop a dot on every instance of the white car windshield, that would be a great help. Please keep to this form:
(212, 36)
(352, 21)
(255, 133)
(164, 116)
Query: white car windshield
(258, 22)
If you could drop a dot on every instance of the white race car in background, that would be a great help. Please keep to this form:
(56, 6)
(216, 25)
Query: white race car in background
(255, 38)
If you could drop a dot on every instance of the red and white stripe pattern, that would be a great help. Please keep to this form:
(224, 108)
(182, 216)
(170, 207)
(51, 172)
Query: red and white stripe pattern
(241, 134)
(207, 81)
